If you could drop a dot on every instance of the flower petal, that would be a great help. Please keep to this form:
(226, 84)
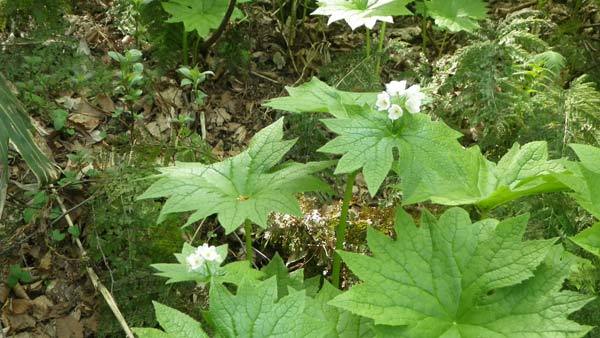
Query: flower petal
(396, 88)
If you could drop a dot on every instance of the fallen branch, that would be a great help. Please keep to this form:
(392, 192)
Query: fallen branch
(112, 304)
(506, 11)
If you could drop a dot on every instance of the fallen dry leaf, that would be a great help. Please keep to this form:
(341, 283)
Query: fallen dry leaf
(20, 306)
(4, 291)
(87, 116)
(105, 103)
(41, 307)
(69, 327)
(19, 322)
(46, 261)
(20, 292)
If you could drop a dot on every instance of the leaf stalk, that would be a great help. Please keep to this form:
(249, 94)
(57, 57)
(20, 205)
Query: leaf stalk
(248, 235)
(340, 231)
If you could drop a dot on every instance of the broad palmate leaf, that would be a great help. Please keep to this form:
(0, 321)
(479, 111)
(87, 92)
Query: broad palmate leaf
(367, 140)
(316, 96)
(335, 322)
(457, 15)
(589, 239)
(199, 15)
(246, 186)
(451, 278)
(584, 177)
(175, 323)
(523, 171)
(255, 311)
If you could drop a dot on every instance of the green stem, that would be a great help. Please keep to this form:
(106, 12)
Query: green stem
(293, 18)
(368, 42)
(249, 250)
(443, 43)
(340, 231)
(184, 44)
(483, 214)
(423, 33)
(304, 10)
(195, 51)
(380, 49)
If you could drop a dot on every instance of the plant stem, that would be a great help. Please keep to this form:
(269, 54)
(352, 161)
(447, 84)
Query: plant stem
(483, 214)
(368, 42)
(443, 43)
(380, 49)
(184, 45)
(423, 33)
(249, 250)
(340, 231)
(195, 51)
(293, 18)
(217, 34)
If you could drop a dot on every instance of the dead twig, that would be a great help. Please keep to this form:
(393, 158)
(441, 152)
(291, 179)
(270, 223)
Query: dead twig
(112, 304)
(65, 213)
(506, 11)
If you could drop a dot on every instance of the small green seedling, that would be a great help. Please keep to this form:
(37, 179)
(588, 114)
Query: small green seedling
(16, 275)
(193, 77)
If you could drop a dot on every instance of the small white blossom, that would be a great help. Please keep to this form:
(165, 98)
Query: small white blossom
(384, 101)
(313, 216)
(195, 261)
(355, 12)
(396, 88)
(208, 253)
(414, 99)
(395, 112)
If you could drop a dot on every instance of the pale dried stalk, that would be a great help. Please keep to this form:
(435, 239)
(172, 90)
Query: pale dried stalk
(112, 304)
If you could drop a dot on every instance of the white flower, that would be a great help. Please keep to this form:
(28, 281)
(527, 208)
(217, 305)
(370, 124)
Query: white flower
(395, 112)
(195, 261)
(414, 99)
(208, 253)
(355, 12)
(396, 88)
(384, 101)
(397, 98)
(313, 216)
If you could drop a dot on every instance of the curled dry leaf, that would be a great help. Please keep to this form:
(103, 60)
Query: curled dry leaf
(87, 115)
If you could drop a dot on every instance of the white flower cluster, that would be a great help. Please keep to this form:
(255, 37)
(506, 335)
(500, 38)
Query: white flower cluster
(204, 253)
(397, 98)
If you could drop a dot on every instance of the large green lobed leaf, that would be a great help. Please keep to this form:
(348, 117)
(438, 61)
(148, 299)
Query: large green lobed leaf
(584, 177)
(589, 239)
(457, 15)
(246, 186)
(523, 171)
(201, 16)
(452, 278)
(425, 153)
(316, 96)
(175, 324)
(367, 140)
